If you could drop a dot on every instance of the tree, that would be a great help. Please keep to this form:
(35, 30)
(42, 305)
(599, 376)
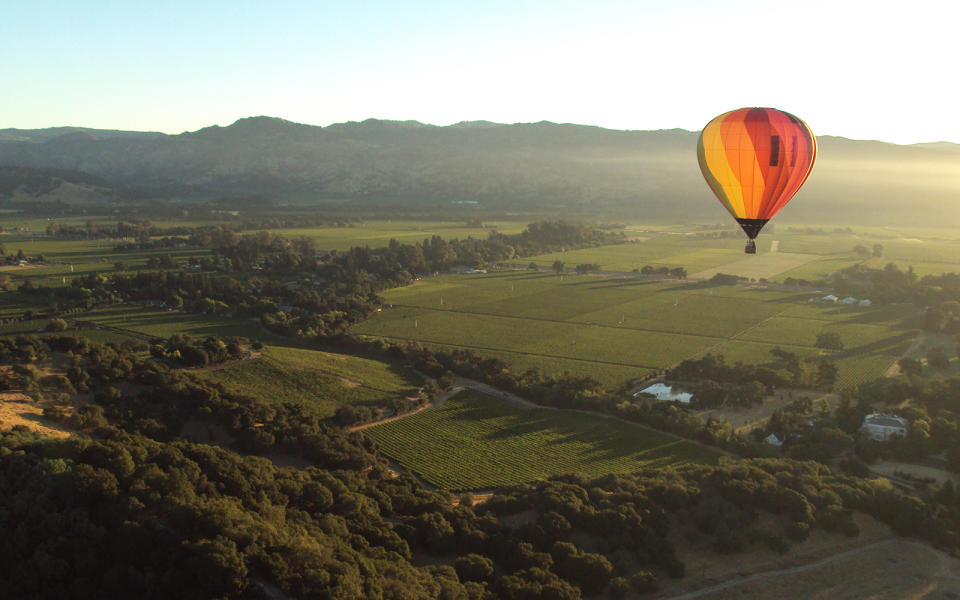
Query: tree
(533, 266)
(557, 267)
(861, 251)
(643, 582)
(822, 406)
(932, 319)
(827, 374)
(474, 567)
(679, 273)
(829, 340)
(56, 325)
(910, 367)
(587, 268)
(724, 279)
(878, 250)
(937, 358)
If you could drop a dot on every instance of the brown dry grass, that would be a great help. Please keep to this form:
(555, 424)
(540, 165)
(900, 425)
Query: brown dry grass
(895, 569)
(19, 409)
(706, 568)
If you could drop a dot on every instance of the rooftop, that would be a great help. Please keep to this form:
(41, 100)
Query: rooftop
(885, 420)
(665, 393)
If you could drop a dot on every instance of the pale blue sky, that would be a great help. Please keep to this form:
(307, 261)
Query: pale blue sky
(867, 70)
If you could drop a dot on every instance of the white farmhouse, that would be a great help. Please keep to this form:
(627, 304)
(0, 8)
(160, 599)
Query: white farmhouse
(829, 298)
(865, 302)
(881, 427)
(665, 393)
(848, 300)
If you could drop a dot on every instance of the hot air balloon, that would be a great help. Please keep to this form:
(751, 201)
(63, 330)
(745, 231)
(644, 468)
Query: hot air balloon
(755, 160)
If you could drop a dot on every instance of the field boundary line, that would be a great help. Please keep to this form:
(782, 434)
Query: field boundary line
(734, 337)
(132, 333)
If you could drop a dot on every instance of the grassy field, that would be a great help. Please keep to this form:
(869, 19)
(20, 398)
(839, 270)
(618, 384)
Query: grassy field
(473, 441)
(14, 304)
(804, 255)
(929, 251)
(378, 234)
(659, 251)
(615, 329)
(318, 381)
(69, 258)
(163, 324)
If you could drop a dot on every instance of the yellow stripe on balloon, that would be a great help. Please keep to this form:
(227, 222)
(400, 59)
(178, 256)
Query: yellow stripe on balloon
(715, 156)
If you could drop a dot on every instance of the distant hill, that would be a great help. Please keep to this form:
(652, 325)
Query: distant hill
(522, 166)
(945, 146)
(25, 184)
(65, 133)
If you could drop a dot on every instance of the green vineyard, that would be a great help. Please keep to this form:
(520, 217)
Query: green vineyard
(474, 441)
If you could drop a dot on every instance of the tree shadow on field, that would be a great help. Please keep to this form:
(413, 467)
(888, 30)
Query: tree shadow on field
(520, 429)
(525, 275)
(620, 283)
(799, 298)
(877, 348)
(901, 321)
(691, 286)
(614, 444)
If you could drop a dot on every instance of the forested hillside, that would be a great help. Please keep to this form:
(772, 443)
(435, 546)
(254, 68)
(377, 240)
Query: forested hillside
(531, 166)
(129, 507)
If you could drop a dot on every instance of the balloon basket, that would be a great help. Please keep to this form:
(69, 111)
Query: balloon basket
(751, 248)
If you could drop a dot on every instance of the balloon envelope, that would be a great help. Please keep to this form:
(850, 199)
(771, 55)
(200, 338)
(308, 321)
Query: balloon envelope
(755, 160)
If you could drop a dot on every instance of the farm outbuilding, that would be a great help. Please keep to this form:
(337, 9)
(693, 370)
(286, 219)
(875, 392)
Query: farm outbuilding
(665, 393)
(882, 427)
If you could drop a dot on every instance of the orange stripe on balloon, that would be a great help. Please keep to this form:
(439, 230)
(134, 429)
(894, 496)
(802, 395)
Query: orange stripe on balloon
(743, 160)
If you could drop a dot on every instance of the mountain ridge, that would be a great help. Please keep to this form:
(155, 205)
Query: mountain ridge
(19, 134)
(538, 165)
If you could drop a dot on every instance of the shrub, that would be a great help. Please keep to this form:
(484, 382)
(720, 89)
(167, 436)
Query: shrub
(56, 325)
